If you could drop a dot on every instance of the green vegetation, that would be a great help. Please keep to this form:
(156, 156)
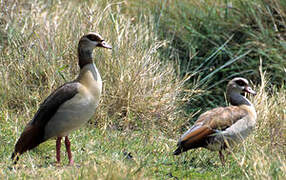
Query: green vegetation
(170, 61)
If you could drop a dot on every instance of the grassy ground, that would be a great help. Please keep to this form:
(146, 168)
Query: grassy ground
(158, 77)
(113, 154)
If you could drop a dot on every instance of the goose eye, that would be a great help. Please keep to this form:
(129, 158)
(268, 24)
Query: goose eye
(241, 83)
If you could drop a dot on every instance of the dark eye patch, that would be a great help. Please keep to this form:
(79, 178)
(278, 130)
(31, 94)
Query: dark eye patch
(241, 83)
(94, 38)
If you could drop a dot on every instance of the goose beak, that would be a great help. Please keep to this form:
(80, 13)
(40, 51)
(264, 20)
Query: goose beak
(249, 90)
(104, 45)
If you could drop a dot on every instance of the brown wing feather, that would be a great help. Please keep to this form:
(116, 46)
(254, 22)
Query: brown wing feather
(222, 117)
(207, 124)
(193, 138)
(29, 139)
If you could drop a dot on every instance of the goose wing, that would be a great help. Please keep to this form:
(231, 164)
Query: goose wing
(34, 131)
(207, 124)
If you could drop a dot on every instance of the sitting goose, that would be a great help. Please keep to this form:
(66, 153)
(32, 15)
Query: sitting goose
(222, 127)
(68, 107)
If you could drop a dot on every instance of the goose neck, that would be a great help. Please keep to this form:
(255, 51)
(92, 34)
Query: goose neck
(84, 57)
(236, 99)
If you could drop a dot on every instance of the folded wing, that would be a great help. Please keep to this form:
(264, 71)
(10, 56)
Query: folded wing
(208, 124)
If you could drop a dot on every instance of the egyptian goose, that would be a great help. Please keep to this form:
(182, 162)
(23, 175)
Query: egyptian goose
(68, 107)
(222, 127)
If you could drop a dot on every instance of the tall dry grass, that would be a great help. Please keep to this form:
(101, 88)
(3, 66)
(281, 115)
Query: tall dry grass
(139, 89)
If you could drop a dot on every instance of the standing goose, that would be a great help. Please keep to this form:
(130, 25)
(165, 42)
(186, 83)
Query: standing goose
(68, 107)
(222, 127)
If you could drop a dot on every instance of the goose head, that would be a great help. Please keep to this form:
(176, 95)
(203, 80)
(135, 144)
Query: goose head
(86, 45)
(91, 41)
(235, 88)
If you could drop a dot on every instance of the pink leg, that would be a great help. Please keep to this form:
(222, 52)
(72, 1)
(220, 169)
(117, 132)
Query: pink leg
(68, 148)
(58, 149)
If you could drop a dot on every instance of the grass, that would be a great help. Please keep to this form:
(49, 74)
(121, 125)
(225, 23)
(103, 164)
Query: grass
(158, 77)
